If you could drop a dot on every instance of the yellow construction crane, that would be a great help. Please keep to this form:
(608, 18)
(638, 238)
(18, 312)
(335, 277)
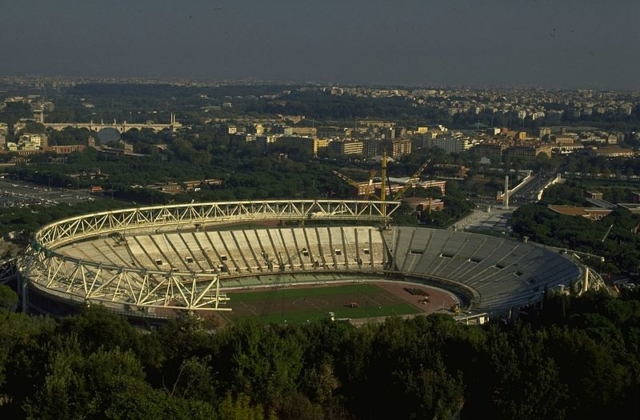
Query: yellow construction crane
(383, 188)
(411, 182)
(370, 192)
(367, 192)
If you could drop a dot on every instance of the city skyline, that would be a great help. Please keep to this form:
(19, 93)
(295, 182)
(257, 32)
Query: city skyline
(588, 44)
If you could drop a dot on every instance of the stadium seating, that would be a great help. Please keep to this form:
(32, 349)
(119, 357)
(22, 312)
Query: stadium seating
(505, 273)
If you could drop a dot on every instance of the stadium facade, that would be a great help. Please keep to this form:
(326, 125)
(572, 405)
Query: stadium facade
(152, 263)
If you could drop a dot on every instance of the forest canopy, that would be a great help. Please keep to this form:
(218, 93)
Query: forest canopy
(579, 357)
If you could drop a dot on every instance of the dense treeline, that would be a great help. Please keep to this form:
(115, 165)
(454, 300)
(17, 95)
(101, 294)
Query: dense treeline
(130, 180)
(245, 172)
(132, 90)
(578, 358)
(245, 176)
(139, 103)
(203, 153)
(613, 239)
(581, 164)
(30, 219)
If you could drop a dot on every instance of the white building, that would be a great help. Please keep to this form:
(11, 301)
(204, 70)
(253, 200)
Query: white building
(449, 144)
(35, 139)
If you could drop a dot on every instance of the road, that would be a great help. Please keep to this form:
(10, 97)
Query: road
(19, 194)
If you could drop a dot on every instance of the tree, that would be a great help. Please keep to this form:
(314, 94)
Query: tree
(194, 380)
(595, 381)
(241, 409)
(14, 111)
(8, 299)
(24, 345)
(98, 328)
(34, 128)
(264, 361)
(105, 383)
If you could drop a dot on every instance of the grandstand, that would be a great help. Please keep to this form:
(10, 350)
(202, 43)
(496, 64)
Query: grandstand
(503, 273)
(156, 261)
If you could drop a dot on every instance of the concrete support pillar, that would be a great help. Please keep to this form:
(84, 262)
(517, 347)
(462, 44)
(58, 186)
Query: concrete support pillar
(23, 286)
(585, 283)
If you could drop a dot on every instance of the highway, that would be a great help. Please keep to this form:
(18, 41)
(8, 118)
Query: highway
(20, 194)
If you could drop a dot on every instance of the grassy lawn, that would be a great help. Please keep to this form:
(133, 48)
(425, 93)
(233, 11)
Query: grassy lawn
(297, 293)
(351, 313)
(299, 305)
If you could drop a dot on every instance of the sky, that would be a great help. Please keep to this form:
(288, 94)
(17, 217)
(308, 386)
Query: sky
(591, 44)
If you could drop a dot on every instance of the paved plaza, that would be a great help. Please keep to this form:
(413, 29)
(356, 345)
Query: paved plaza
(496, 219)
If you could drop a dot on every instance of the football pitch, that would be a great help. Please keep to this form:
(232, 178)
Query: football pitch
(298, 305)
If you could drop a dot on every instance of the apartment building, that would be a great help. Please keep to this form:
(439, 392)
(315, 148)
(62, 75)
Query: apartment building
(346, 147)
(492, 151)
(333, 132)
(371, 147)
(398, 147)
(449, 144)
(308, 145)
(527, 152)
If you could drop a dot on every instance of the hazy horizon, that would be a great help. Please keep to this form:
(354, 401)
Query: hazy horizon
(486, 43)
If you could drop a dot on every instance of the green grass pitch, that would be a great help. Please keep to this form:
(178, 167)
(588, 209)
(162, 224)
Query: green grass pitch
(299, 305)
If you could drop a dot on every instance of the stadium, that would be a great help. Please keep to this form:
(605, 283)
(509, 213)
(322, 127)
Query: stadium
(286, 259)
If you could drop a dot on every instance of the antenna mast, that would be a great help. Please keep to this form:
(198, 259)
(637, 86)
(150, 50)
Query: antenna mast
(383, 185)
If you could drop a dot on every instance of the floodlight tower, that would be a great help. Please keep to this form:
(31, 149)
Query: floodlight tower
(383, 186)
(506, 192)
